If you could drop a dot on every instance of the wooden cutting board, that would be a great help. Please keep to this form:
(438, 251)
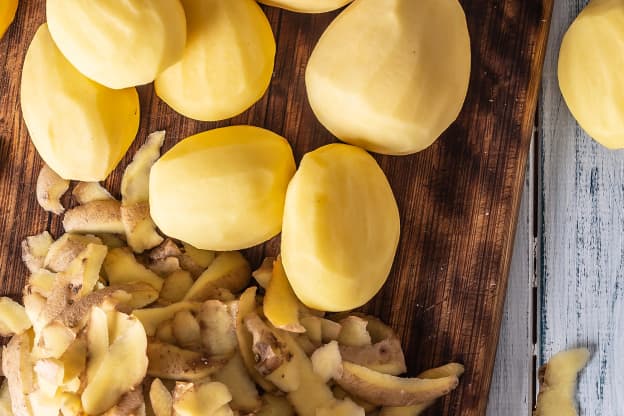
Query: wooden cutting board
(458, 199)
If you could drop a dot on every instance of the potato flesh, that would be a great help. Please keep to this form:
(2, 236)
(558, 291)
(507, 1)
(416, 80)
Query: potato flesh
(121, 267)
(191, 399)
(281, 306)
(391, 75)
(590, 71)
(50, 188)
(340, 228)
(65, 111)
(222, 189)
(227, 64)
(8, 8)
(307, 6)
(119, 44)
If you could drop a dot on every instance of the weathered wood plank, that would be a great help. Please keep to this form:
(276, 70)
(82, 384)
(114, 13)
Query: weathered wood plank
(510, 394)
(582, 241)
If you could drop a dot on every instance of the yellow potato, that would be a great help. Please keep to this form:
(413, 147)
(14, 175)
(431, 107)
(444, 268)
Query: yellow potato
(7, 14)
(80, 128)
(391, 75)
(223, 189)
(227, 63)
(341, 228)
(590, 71)
(307, 6)
(118, 44)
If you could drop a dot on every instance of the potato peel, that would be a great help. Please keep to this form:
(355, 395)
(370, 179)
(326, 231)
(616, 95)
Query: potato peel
(50, 188)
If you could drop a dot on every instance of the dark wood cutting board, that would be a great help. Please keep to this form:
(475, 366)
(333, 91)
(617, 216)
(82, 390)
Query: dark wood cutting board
(458, 199)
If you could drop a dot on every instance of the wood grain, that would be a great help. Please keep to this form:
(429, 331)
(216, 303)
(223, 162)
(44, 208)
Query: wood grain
(581, 241)
(458, 200)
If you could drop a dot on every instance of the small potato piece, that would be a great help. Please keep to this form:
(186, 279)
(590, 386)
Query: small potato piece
(199, 86)
(122, 267)
(13, 318)
(281, 306)
(327, 362)
(264, 273)
(160, 398)
(164, 332)
(340, 228)
(174, 363)
(17, 367)
(244, 393)
(386, 390)
(119, 44)
(558, 383)
(84, 138)
(363, 94)
(353, 332)
(130, 404)
(385, 356)
(5, 399)
(186, 330)
(85, 192)
(344, 407)
(8, 9)
(50, 189)
(275, 406)
(313, 329)
(218, 334)
(34, 250)
(230, 270)
(95, 217)
(152, 317)
(190, 399)
(176, 286)
(307, 6)
(64, 250)
(222, 189)
(203, 258)
(593, 92)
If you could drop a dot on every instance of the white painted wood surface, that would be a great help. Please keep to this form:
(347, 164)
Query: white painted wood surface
(579, 257)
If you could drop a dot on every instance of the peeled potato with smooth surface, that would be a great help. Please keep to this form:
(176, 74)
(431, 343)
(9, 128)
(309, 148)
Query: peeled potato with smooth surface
(590, 71)
(119, 44)
(80, 128)
(7, 14)
(307, 6)
(341, 228)
(223, 189)
(227, 64)
(391, 75)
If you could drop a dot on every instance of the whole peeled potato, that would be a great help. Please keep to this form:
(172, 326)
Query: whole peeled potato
(222, 189)
(117, 43)
(307, 6)
(7, 14)
(227, 64)
(80, 128)
(591, 61)
(391, 75)
(341, 228)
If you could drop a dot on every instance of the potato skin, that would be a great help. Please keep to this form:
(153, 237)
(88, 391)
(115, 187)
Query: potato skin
(223, 189)
(340, 230)
(80, 128)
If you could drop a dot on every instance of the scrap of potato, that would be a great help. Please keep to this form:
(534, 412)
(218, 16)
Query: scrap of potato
(229, 270)
(50, 188)
(201, 399)
(5, 399)
(307, 6)
(170, 362)
(327, 361)
(264, 273)
(34, 250)
(95, 217)
(558, 382)
(85, 192)
(62, 251)
(273, 405)
(152, 317)
(175, 286)
(7, 14)
(340, 394)
(203, 258)
(122, 267)
(354, 333)
(186, 330)
(13, 318)
(344, 407)
(160, 398)
(244, 393)
(131, 404)
(140, 229)
(17, 367)
(281, 306)
(217, 322)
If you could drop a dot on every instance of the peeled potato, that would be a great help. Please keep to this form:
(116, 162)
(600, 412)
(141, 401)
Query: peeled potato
(391, 75)
(119, 44)
(80, 128)
(7, 14)
(590, 71)
(223, 189)
(307, 6)
(340, 230)
(227, 63)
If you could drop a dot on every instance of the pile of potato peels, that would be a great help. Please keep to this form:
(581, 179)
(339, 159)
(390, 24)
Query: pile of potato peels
(118, 320)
